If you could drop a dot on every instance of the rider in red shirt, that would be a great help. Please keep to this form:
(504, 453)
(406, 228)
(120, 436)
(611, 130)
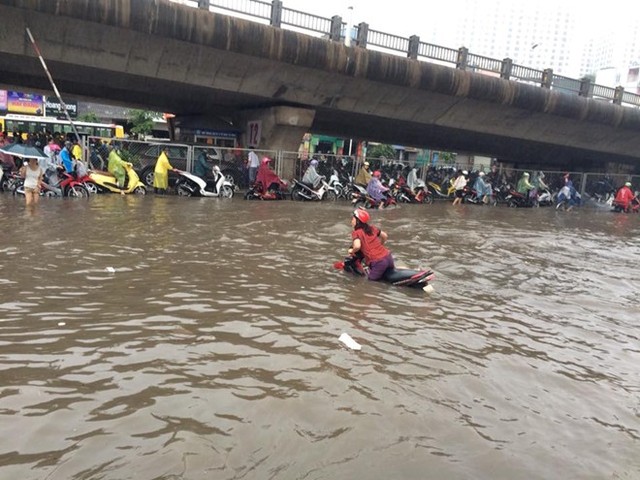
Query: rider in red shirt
(370, 240)
(624, 196)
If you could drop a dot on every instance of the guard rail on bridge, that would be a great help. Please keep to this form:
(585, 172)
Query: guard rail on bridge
(275, 14)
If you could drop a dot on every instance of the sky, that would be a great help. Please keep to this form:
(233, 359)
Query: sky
(436, 21)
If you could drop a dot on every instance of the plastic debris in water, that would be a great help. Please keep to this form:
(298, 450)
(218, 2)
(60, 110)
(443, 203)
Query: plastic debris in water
(61, 324)
(110, 270)
(428, 289)
(349, 342)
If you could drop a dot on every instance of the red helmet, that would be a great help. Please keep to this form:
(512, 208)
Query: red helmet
(376, 174)
(362, 215)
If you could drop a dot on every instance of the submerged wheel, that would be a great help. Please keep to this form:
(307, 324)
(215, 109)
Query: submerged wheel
(182, 191)
(91, 187)
(427, 199)
(296, 195)
(330, 195)
(78, 191)
(140, 190)
(512, 203)
(226, 192)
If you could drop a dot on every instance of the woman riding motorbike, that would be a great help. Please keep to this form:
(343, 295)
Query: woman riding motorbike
(369, 241)
(376, 190)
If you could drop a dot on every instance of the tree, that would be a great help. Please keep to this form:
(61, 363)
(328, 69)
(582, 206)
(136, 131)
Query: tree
(142, 121)
(381, 150)
(89, 117)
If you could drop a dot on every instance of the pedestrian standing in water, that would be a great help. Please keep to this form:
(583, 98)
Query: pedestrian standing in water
(254, 164)
(370, 240)
(458, 185)
(32, 174)
(161, 173)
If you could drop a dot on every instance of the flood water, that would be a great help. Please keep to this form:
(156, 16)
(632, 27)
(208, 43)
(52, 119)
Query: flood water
(211, 351)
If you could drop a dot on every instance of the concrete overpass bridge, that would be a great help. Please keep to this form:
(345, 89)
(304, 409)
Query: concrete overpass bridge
(170, 57)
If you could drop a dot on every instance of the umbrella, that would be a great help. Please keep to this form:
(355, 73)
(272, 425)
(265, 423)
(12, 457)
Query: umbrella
(22, 150)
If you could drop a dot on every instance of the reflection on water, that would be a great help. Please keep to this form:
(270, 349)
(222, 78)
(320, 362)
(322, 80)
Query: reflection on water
(211, 350)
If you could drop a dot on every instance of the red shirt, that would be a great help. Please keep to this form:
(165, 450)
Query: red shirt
(370, 245)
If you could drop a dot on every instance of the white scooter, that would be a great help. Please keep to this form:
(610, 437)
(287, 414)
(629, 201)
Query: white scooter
(190, 185)
(302, 191)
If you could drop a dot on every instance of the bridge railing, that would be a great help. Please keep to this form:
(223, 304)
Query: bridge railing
(335, 29)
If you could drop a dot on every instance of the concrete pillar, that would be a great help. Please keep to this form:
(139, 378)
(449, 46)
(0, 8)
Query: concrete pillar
(336, 28)
(276, 13)
(463, 56)
(618, 94)
(363, 32)
(547, 78)
(414, 45)
(505, 68)
(585, 88)
(280, 128)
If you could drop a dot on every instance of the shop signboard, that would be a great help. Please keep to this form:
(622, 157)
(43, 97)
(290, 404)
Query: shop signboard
(3, 100)
(53, 108)
(27, 103)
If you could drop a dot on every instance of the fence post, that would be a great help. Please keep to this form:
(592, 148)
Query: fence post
(547, 78)
(585, 88)
(363, 31)
(505, 68)
(414, 44)
(583, 185)
(203, 4)
(617, 95)
(336, 28)
(463, 54)
(276, 13)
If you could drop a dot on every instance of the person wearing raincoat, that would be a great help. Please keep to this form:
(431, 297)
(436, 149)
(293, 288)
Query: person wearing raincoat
(311, 177)
(524, 186)
(364, 176)
(161, 173)
(116, 167)
(482, 188)
(268, 179)
(412, 180)
(376, 189)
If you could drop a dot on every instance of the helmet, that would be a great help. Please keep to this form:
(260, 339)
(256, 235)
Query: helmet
(361, 214)
(481, 174)
(628, 184)
(314, 162)
(376, 174)
(265, 160)
(366, 164)
(464, 172)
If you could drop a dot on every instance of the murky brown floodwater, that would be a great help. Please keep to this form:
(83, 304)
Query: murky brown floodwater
(212, 352)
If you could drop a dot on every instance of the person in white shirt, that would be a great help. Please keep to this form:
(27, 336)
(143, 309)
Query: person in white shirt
(32, 174)
(254, 163)
(459, 184)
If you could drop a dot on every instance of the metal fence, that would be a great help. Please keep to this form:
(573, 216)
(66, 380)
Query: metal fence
(275, 14)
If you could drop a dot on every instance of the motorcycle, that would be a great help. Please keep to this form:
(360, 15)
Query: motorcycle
(256, 192)
(404, 194)
(189, 185)
(361, 198)
(107, 183)
(56, 183)
(470, 195)
(337, 185)
(516, 199)
(396, 276)
(446, 190)
(632, 207)
(302, 191)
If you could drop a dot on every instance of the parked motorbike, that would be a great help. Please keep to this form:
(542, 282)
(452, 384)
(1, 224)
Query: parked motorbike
(189, 185)
(446, 190)
(56, 183)
(337, 185)
(302, 191)
(470, 195)
(107, 183)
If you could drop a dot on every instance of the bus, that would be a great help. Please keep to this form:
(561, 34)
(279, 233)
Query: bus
(32, 124)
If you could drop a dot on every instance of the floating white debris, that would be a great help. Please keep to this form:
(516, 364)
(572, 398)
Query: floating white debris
(349, 342)
(428, 289)
(110, 270)
(61, 324)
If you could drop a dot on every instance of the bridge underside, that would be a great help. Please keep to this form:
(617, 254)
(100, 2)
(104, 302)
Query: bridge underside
(353, 92)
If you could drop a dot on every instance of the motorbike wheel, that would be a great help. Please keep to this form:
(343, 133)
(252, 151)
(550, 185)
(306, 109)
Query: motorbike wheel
(77, 191)
(183, 191)
(140, 191)
(91, 187)
(339, 191)
(296, 195)
(249, 195)
(226, 192)
(427, 199)
(512, 203)
(330, 195)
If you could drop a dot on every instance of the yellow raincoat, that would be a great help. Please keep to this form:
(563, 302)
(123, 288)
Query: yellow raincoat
(161, 172)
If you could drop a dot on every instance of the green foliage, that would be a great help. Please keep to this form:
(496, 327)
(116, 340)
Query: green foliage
(89, 117)
(381, 150)
(447, 157)
(142, 121)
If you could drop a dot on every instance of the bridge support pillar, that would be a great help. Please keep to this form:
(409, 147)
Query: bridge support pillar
(277, 128)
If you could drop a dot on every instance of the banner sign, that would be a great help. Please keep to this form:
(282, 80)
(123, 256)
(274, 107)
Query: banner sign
(29, 103)
(3, 99)
(254, 131)
(53, 108)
